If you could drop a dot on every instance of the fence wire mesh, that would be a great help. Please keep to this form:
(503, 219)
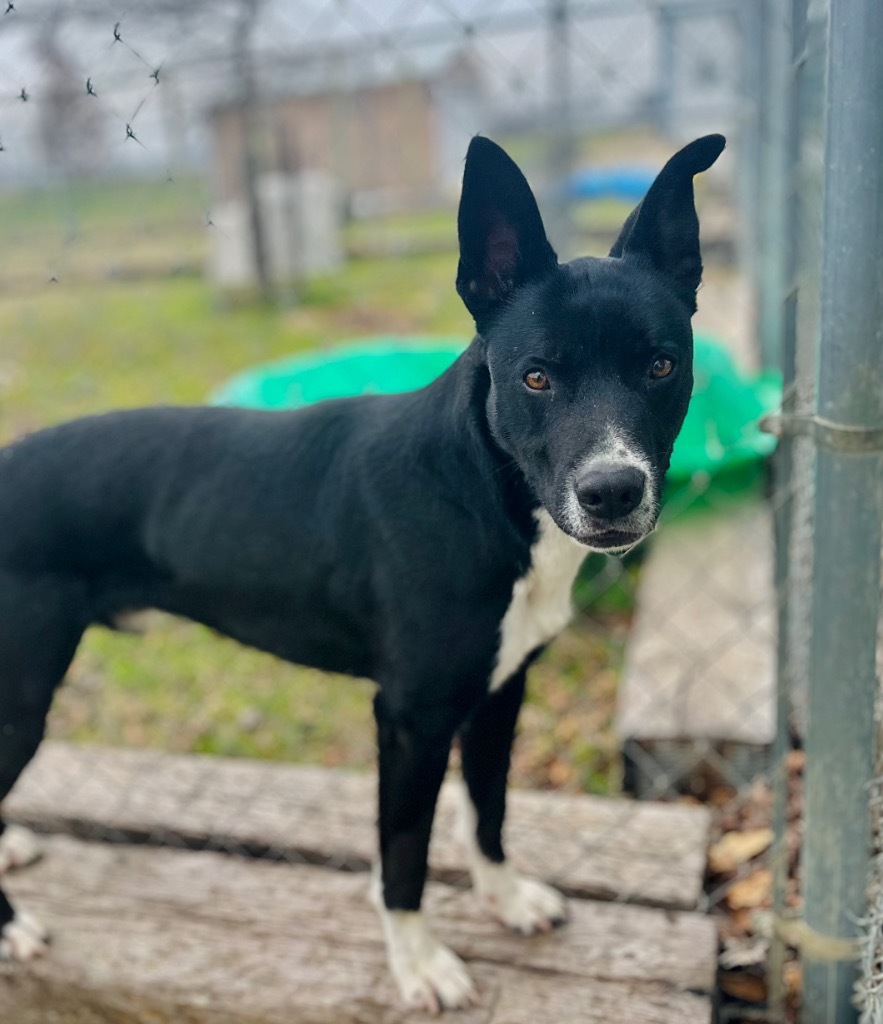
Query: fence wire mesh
(811, 855)
(190, 188)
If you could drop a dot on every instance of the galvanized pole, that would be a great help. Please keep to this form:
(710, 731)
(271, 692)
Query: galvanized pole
(250, 124)
(793, 30)
(772, 198)
(665, 81)
(561, 144)
(848, 512)
(753, 65)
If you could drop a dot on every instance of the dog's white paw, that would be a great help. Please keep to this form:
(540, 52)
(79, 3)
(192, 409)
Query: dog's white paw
(18, 848)
(429, 976)
(523, 904)
(23, 938)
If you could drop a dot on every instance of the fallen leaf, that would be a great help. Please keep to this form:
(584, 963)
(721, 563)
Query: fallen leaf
(743, 920)
(735, 848)
(793, 979)
(753, 891)
(744, 986)
(720, 796)
(560, 772)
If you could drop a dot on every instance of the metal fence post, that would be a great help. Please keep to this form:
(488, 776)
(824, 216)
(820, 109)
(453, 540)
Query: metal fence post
(794, 32)
(848, 509)
(753, 70)
(251, 116)
(772, 200)
(560, 107)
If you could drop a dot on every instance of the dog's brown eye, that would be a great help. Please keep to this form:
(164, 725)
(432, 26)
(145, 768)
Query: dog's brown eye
(662, 367)
(537, 380)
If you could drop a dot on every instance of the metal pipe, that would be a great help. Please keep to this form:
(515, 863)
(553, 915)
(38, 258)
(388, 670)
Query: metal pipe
(848, 510)
(560, 154)
(772, 198)
(250, 115)
(794, 30)
(752, 59)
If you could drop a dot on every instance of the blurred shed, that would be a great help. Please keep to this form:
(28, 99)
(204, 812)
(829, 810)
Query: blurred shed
(386, 135)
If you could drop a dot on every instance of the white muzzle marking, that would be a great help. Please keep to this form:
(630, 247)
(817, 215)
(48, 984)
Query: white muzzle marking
(616, 452)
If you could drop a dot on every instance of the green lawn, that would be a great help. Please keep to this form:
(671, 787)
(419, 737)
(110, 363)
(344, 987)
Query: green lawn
(87, 343)
(91, 231)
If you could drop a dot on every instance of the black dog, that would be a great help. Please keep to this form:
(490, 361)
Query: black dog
(427, 540)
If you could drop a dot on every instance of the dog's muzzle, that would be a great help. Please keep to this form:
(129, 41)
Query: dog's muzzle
(612, 505)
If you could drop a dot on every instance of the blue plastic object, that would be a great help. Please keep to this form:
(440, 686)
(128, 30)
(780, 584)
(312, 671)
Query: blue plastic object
(629, 183)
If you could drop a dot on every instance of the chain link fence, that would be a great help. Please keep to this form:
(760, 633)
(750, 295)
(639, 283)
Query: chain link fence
(829, 651)
(268, 176)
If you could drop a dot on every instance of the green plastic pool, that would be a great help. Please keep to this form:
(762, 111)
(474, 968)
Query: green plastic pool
(720, 432)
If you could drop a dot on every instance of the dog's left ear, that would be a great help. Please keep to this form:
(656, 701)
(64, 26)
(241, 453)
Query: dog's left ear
(664, 227)
(503, 242)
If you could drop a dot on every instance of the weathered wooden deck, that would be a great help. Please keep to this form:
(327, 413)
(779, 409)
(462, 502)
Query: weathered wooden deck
(146, 932)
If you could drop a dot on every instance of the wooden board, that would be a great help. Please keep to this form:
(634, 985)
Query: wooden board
(700, 666)
(146, 934)
(588, 846)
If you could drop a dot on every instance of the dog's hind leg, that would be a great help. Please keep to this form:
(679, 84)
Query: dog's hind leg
(523, 904)
(42, 618)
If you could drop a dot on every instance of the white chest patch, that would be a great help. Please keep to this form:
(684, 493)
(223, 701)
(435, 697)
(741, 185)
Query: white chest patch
(540, 605)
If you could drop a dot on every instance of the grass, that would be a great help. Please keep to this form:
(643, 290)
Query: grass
(87, 344)
(91, 230)
(73, 350)
(433, 230)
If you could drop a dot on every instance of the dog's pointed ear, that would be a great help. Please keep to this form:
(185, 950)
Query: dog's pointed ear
(503, 242)
(664, 227)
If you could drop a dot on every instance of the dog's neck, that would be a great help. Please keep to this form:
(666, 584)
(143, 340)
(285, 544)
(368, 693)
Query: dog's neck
(462, 392)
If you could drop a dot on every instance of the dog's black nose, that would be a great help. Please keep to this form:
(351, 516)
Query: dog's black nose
(612, 492)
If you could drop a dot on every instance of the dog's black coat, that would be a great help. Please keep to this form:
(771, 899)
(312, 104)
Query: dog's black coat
(378, 536)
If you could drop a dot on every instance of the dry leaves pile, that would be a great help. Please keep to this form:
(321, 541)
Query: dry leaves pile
(566, 738)
(740, 890)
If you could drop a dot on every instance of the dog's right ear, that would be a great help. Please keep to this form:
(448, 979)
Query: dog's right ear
(503, 242)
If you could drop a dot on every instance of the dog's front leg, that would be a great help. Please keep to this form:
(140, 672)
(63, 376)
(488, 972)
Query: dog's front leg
(413, 760)
(523, 904)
